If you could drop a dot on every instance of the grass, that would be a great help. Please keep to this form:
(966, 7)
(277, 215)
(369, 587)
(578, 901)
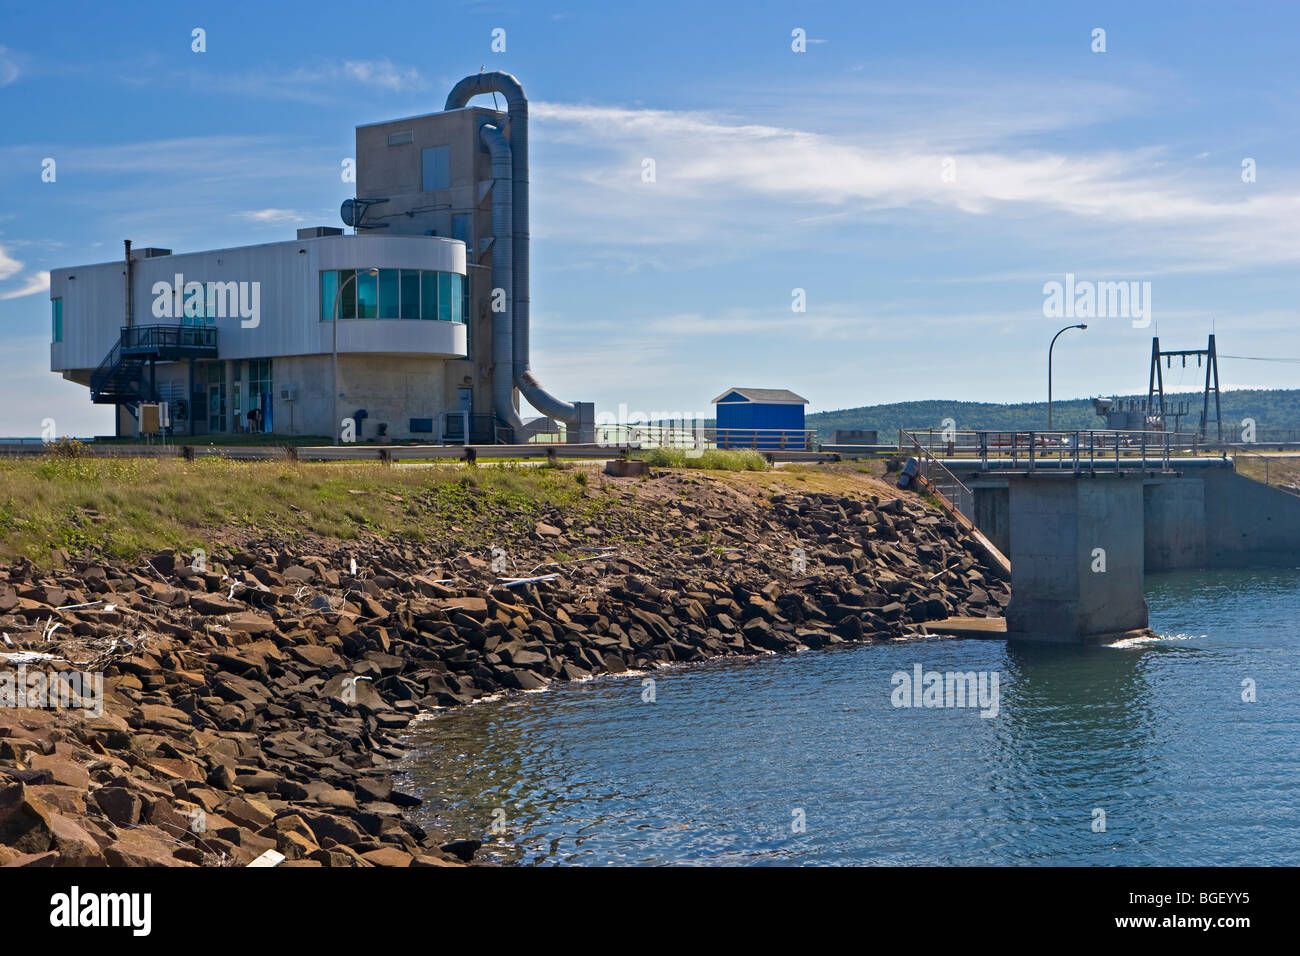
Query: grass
(712, 459)
(1280, 470)
(128, 507)
(125, 507)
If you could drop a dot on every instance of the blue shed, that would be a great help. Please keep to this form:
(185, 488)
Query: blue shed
(763, 418)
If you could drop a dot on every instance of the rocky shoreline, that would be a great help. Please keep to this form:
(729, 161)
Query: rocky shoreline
(254, 699)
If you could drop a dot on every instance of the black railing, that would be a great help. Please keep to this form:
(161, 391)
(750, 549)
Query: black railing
(137, 344)
(104, 371)
(168, 339)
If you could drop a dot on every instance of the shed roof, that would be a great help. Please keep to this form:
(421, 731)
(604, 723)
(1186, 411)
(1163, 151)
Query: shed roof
(759, 396)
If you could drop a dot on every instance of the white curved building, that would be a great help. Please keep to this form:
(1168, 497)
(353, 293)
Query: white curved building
(403, 312)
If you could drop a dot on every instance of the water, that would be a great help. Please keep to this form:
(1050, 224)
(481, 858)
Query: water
(1154, 733)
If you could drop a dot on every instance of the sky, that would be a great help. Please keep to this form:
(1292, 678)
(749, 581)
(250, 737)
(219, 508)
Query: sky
(860, 202)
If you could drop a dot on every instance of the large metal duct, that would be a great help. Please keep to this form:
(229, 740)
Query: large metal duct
(503, 392)
(510, 88)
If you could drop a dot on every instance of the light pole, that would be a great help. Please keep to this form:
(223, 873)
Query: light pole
(1049, 370)
(335, 322)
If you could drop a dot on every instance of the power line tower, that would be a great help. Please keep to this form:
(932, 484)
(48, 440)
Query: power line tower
(1156, 382)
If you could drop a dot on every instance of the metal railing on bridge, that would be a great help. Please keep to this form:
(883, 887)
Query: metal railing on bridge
(1077, 451)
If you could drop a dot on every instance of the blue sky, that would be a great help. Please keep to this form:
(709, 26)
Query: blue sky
(822, 170)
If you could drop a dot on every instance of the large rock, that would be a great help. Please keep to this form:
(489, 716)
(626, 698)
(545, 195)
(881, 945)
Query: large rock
(25, 822)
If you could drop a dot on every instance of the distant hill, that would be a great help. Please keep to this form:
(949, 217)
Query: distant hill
(1272, 409)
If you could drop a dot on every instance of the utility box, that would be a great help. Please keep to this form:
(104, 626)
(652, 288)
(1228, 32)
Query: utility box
(153, 419)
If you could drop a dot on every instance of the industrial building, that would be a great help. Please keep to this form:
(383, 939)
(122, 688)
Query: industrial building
(413, 327)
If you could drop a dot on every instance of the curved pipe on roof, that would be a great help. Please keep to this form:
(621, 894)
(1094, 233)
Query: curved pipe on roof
(513, 91)
(503, 392)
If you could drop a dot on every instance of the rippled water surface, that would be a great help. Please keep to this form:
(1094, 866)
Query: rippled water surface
(1155, 734)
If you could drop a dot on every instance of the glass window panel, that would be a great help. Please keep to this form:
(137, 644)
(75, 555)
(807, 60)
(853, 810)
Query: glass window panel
(329, 288)
(457, 309)
(444, 296)
(460, 227)
(56, 314)
(410, 294)
(389, 280)
(367, 292)
(436, 168)
(429, 281)
(348, 304)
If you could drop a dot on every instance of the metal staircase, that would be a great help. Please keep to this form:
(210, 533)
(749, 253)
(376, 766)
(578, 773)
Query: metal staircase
(126, 377)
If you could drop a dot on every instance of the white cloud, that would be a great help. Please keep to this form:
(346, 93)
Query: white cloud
(9, 71)
(39, 282)
(706, 164)
(384, 74)
(272, 215)
(9, 266)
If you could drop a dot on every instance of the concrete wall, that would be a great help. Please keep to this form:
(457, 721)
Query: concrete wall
(993, 514)
(1058, 592)
(394, 173)
(1174, 523)
(392, 390)
(1248, 523)
(1206, 517)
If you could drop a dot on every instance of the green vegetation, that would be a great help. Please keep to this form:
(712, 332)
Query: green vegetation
(713, 459)
(123, 507)
(1271, 409)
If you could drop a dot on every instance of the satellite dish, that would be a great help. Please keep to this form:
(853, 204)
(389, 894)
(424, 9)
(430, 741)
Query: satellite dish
(351, 212)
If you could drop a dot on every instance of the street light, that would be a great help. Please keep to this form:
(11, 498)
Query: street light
(1049, 370)
(335, 312)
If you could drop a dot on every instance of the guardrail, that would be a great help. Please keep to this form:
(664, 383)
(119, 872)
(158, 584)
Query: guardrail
(1278, 471)
(1077, 450)
(166, 338)
(939, 477)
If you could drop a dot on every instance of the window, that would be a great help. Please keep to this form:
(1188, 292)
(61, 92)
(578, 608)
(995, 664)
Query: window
(389, 282)
(401, 139)
(429, 280)
(366, 293)
(394, 294)
(457, 309)
(216, 397)
(460, 227)
(410, 294)
(436, 168)
(56, 319)
(259, 395)
(329, 288)
(444, 296)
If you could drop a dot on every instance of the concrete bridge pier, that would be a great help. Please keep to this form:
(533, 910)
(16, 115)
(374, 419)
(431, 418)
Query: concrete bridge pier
(1077, 558)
